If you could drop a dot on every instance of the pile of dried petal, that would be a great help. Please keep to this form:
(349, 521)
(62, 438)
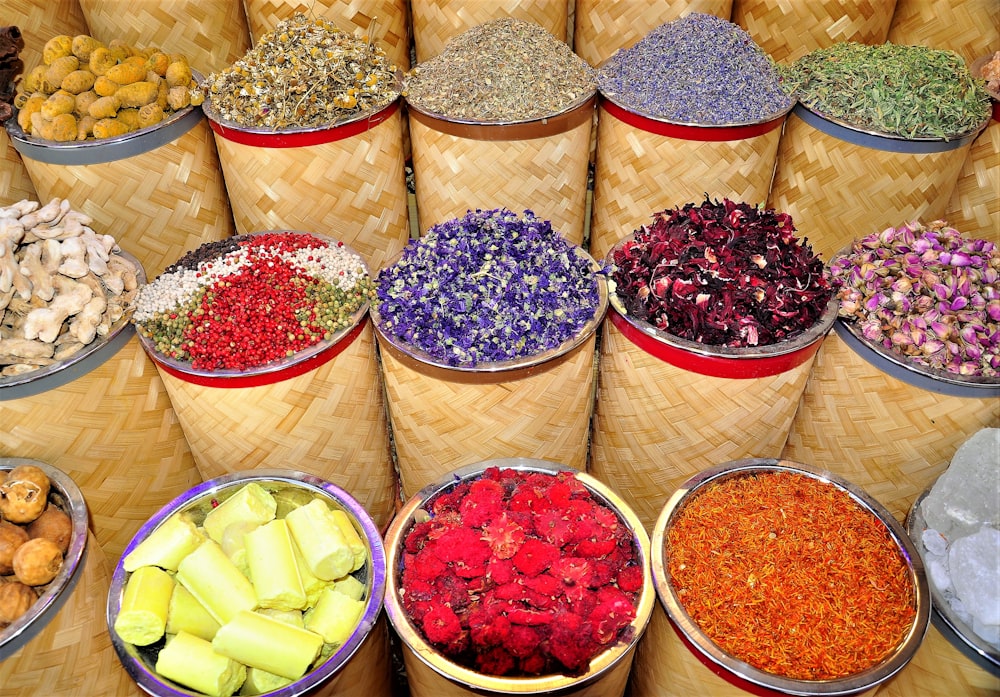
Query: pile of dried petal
(304, 73)
(62, 285)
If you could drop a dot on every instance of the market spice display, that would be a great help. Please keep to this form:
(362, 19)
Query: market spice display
(699, 69)
(520, 573)
(722, 274)
(248, 300)
(504, 70)
(800, 580)
(490, 286)
(304, 73)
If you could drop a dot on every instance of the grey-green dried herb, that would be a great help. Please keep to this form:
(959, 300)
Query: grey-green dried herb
(503, 70)
(908, 91)
(304, 73)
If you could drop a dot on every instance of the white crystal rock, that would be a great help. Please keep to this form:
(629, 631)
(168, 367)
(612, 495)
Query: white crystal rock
(967, 494)
(974, 562)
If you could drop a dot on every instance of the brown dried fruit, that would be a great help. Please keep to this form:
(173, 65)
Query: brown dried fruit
(15, 600)
(25, 494)
(11, 537)
(53, 524)
(37, 561)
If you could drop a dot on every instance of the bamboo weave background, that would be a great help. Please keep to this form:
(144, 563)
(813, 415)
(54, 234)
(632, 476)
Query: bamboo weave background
(878, 432)
(15, 184)
(329, 422)
(157, 205)
(836, 191)
(392, 28)
(72, 654)
(211, 33)
(547, 175)
(443, 419)
(638, 173)
(970, 28)
(938, 668)
(974, 208)
(436, 21)
(601, 28)
(353, 189)
(114, 431)
(656, 424)
(367, 673)
(789, 30)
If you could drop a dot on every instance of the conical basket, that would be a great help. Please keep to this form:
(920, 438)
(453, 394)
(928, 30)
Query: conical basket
(105, 419)
(539, 165)
(884, 422)
(347, 179)
(970, 28)
(645, 164)
(838, 182)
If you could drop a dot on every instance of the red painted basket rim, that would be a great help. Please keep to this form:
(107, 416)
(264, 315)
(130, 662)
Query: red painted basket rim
(691, 131)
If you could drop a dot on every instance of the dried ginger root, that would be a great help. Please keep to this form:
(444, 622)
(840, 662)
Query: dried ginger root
(62, 284)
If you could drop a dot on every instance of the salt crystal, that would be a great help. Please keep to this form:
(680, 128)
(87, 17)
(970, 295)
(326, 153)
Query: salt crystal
(974, 562)
(935, 542)
(967, 494)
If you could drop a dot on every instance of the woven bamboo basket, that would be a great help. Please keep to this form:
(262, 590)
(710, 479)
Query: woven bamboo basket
(839, 183)
(886, 426)
(158, 191)
(788, 31)
(970, 28)
(645, 165)
(430, 674)
(939, 668)
(15, 184)
(601, 28)
(348, 181)
(385, 20)
(676, 659)
(210, 33)
(539, 165)
(436, 21)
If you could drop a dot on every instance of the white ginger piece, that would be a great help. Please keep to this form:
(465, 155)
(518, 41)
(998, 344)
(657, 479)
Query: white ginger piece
(74, 258)
(33, 267)
(16, 369)
(121, 276)
(85, 323)
(66, 349)
(98, 250)
(25, 348)
(19, 209)
(50, 213)
(45, 323)
(11, 234)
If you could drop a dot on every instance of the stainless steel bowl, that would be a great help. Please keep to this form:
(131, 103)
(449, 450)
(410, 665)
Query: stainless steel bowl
(139, 662)
(66, 495)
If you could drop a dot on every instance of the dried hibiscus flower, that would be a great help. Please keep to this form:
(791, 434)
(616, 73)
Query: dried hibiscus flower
(721, 274)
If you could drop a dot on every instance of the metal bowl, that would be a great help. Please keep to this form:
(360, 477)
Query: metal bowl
(139, 662)
(742, 673)
(65, 494)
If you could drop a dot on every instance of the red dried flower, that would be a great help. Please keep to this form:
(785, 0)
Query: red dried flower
(482, 502)
(523, 640)
(535, 556)
(495, 661)
(442, 626)
(504, 536)
(630, 579)
(464, 550)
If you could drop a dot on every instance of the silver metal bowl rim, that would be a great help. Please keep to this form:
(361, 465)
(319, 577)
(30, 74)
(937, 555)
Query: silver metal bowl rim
(579, 338)
(277, 366)
(151, 683)
(817, 331)
(848, 685)
(469, 678)
(53, 596)
(843, 123)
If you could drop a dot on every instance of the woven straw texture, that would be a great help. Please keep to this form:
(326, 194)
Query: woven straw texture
(938, 668)
(970, 28)
(665, 667)
(888, 437)
(157, 205)
(368, 673)
(424, 681)
(601, 28)
(212, 34)
(547, 175)
(113, 431)
(353, 189)
(656, 424)
(73, 654)
(391, 22)
(437, 21)
(836, 191)
(443, 419)
(638, 173)
(790, 30)
(15, 184)
(974, 207)
(329, 422)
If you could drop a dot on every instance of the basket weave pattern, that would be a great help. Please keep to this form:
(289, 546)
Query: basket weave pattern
(938, 668)
(975, 203)
(970, 28)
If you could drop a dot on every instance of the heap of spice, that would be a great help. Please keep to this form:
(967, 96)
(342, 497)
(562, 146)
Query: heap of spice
(926, 292)
(521, 574)
(801, 581)
(721, 274)
(491, 286)
(250, 300)
(698, 69)
(908, 91)
(504, 70)
(304, 73)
